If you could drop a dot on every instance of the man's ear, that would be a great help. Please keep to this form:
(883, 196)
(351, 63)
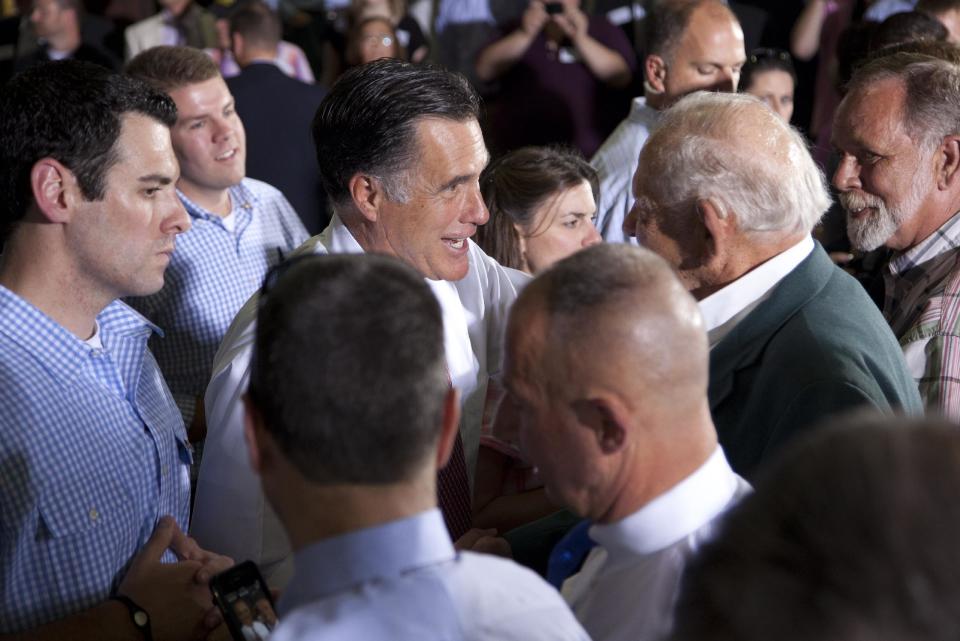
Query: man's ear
(368, 195)
(655, 73)
(55, 190)
(237, 45)
(607, 418)
(253, 433)
(718, 227)
(948, 163)
(449, 428)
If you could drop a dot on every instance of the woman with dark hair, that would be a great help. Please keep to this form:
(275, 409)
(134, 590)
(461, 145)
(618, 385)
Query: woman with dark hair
(542, 203)
(769, 75)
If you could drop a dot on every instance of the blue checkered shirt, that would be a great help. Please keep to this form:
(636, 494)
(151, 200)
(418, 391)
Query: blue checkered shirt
(92, 453)
(211, 275)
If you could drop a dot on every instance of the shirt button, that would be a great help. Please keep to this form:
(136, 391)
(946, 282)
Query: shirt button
(96, 352)
(94, 515)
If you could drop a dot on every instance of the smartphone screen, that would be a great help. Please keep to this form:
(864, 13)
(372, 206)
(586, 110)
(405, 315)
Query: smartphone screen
(554, 7)
(245, 601)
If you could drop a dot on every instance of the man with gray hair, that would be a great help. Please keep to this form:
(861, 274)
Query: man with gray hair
(898, 133)
(729, 194)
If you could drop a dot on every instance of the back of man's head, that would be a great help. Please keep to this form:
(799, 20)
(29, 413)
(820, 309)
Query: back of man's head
(730, 149)
(367, 123)
(258, 26)
(624, 307)
(348, 370)
(851, 536)
(72, 112)
(169, 68)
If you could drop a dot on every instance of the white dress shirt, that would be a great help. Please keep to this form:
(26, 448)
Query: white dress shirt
(231, 515)
(616, 163)
(628, 584)
(723, 309)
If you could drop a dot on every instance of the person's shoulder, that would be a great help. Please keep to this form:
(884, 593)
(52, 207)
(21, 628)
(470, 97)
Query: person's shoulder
(505, 600)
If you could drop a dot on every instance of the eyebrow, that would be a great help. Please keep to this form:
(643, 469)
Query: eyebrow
(156, 178)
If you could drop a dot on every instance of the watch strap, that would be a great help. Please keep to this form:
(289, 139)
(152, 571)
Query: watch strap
(139, 616)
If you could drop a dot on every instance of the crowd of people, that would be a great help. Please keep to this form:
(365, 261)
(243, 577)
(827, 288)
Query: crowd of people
(560, 342)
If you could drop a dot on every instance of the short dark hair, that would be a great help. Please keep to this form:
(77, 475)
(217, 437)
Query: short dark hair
(908, 26)
(765, 59)
(367, 123)
(348, 369)
(258, 25)
(937, 6)
(169, 68)
(516, 184)
(666, 22)
(851, 535)
(70, 111)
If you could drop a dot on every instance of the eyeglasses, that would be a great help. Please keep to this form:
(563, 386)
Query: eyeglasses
(766, 53)
(275, 273)
(382, 39)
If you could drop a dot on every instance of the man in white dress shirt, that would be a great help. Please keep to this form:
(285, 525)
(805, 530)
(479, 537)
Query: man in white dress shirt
(403, 177)
(728, 194)
(691, 44)
(606, 361)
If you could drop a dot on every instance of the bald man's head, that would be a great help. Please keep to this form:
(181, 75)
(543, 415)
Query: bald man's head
(607, 358)
(691, 45)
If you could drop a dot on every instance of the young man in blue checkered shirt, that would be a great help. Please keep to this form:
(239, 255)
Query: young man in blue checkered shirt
(94, 485)
(240, 227)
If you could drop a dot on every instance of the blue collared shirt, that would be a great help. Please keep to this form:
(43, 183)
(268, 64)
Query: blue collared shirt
(212, 273)
(403, 580)
(92, 454)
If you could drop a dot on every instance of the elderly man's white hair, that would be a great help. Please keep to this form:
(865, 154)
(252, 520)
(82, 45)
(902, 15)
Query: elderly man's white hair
(733, 150)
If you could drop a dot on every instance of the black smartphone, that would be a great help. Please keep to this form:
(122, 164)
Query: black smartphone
(554, 8)
(245, 601)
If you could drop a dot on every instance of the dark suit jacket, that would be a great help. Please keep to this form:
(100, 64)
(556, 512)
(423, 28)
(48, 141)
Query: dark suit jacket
(277, 112)
(818, 346)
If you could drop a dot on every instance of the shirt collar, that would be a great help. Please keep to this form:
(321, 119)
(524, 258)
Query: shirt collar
(241, 199)
(381, 552)
(724, 304)
(640, 111)
(675, 514)
(61, 351)
(338, 239)
(945, 238)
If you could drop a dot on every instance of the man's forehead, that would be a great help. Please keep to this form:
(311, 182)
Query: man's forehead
(873, 110)
(712, 35)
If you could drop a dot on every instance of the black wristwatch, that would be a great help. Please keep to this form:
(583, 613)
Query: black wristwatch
(139, 616)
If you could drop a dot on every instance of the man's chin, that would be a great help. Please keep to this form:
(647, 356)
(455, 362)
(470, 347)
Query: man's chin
(868, 234)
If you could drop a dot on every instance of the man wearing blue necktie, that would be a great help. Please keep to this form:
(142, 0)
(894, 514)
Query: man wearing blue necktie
(606, 362)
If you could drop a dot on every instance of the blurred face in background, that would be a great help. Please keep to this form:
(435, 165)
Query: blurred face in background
(774, 87)
(375, 39)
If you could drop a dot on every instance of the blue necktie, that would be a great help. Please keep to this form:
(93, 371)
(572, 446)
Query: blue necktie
(569, 553)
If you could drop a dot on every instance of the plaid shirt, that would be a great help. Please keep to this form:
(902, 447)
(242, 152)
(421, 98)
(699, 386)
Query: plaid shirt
(922, 304)
(92, 453)
(212, 273)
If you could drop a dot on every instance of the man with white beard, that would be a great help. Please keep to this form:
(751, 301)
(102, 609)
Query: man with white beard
(898, 134)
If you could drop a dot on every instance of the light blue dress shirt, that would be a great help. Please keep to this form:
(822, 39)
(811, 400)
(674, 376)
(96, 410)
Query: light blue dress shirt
(211, 275)
(403, 580)
(92, 453)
